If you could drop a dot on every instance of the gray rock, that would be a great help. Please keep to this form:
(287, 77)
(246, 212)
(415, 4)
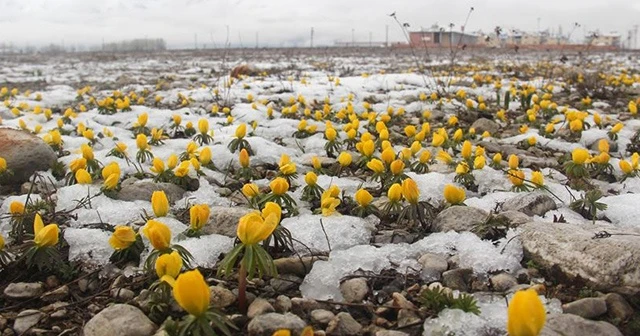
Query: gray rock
(56, 294)
(141, 190)
(25, 154)
(617, 307)
(354, 290)
(571, 249)
(221, 297)
(533, 203)
(258, 307)
(589, 308)
(484, 124)
(457, 279)
(267, 324)
(537, 162)
(295, 265)
(304, 305)
(224, 220)
(282, 304)
(343, 324)
(322, 316)
(24, 290)
(459, 218)
(122, 294)
(394, 237)
(27, 319)
(515, 218)
(390, 333)
(523, 276)
(432, 266)
(285, 282)
(122, 320)
(574, 325)
(407, 318)
(503, 281)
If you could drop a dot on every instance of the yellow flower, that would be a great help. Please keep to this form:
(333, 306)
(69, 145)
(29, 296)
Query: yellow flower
(576, 125)
(388, 155)
(111, 182)
(205, 155)
(142, 119)
(195, 163)
(241, 131)
(141, 142)
(44, 235)
(479, 162)
(110, 169)
(454, 195)
(272, 208)
(87, 152)
(376, 166)
(16, 208)
(516, 177)
(444, 157)
(122, 237)
(633, 108)
(603, 146)
(410, 191)
(315, 162)
(344, 159)
(579, 155)
(537, 178)
(159, 203)
(328, 205)
(363, 197)
(514, 161)
(172, 162)
(616, 128)
(625, 166)
(169, 265)
(78, 164)
(331, 134)
(279, 186)
(192, 293)
(157, 165)
(462, 168)
(367, 148)
(288, 169)
(597, 119)
(253, 228)
(497, 158)
(410, 131)
(453, 120)
(83, 177)
(425, 156)
(634, 160)
(466, 149)
(457, 135)
(526, 314)
(395, 192)
(3, 165)
(396, 167)
(1, 242)
(250, 190)
(121, 147)
(244, 158)
(158, 234)
(311, 178)
(199, 216)
(203, 126)
(88, 134)
(183, 169)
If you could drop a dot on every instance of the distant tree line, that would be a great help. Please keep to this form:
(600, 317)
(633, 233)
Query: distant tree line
(136, 45)
(142, 44)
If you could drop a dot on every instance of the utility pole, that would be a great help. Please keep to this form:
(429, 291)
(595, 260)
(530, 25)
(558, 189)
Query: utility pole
(195, 41)
(353, 37)
(311, 39)
(635, 37)
(386, 38)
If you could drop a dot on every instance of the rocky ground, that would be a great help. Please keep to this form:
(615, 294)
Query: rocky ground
(575, 240)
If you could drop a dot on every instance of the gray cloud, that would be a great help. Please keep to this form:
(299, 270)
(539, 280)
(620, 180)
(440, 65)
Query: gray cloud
(288, 22)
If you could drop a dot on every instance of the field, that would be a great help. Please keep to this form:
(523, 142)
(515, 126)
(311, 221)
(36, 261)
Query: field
(364, 191)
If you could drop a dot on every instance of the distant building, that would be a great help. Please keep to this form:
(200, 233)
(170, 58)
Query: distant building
(605, 40)
(442, 38)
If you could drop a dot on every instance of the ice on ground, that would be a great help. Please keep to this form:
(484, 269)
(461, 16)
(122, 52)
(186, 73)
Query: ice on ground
(323, 282)
(488, 202)
(5, 219)
(491, 321)
(431, 185)
(101, 209)
(623, 210)
(206, 194)
(88, 245)
(342, 231)
(207, 249)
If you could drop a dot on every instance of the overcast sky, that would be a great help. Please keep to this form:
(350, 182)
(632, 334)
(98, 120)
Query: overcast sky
(288, 22)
